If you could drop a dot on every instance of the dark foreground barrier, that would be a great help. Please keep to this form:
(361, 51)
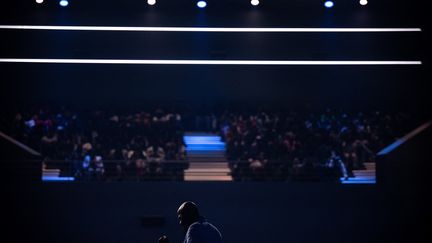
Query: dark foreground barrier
(405, 165)
(18, 162)
(244, 212)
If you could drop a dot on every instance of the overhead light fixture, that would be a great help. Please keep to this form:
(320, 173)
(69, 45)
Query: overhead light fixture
(151, 2)
(201, 4)
(201, 29)
(64, 3)
(255, 2)
(363, 2)
(202, 62)
(328, 4)
(39, 1)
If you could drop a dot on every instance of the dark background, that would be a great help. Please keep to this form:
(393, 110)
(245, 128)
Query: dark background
(349, 87)
(245, 212)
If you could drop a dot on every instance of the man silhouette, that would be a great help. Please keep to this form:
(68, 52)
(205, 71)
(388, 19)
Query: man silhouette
(198, 230)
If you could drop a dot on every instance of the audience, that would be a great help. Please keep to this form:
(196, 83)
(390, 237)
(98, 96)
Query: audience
(140, 142)
(329, 143)
(259, 145)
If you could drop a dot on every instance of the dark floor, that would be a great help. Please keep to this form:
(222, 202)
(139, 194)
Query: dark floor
(244, 212)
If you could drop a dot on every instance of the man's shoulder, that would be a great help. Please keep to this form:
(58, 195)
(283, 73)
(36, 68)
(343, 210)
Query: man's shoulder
(203, 230)
(197, 225)
(201, 225)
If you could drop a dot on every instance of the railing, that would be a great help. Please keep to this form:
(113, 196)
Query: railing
(140, 170)
(277, 170)
(117, 170)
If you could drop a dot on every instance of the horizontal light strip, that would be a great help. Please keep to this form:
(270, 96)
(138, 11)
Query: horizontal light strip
(203, 29)
(203, 62)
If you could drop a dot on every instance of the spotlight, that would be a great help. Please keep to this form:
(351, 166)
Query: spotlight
(64, 3)
(39, 1)
(201, 4)
(363, 2)
(328, 4)
(151, 2)
(254, 2)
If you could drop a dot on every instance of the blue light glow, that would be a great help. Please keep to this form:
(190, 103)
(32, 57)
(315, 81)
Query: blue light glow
(64, 3)
(405, 138)
(204, 143)
(206, 148)
(328, 4)
(202, 139)
(391, 147)
(201, 4)
(56, 178)
(359, 182)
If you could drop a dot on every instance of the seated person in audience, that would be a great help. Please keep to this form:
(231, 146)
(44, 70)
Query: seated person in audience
(87, 168)
(99, 167)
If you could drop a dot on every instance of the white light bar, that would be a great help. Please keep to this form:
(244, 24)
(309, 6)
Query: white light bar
(202, 29)
(202, 62)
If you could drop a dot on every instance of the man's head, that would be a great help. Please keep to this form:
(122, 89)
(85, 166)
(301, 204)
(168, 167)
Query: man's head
(187, 214)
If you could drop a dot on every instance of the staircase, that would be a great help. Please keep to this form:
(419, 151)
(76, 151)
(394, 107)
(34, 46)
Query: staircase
(54, 175)
(206, 156)
(366, 176)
